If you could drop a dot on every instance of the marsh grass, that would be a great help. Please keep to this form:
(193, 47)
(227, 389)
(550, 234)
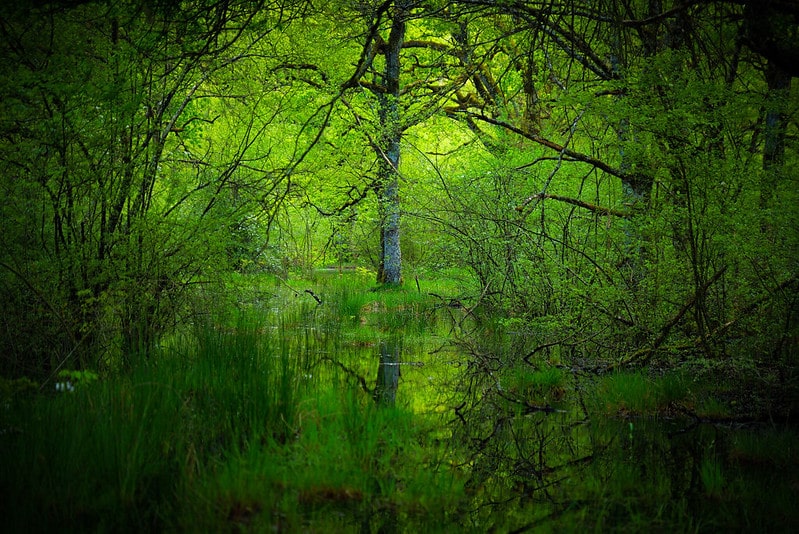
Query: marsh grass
(636, 393)
(712, 475)
(100, 458)
(383, 310)
(232, 423)
(536, 386)
(112, 454)
(625, 393)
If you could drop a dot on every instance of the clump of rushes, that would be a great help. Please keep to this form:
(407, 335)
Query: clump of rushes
(536, 386)
(712, 475)
(635, 393)
(625, 393)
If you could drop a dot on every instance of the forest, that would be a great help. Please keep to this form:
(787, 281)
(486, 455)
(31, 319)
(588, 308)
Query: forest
(399, 265)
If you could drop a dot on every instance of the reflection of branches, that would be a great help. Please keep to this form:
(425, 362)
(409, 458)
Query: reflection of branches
(354, 197)
(511, 442)
(349, 372)
(529, 408)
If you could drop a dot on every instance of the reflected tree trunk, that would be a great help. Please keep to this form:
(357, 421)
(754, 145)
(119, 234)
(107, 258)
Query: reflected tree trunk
(388, 372)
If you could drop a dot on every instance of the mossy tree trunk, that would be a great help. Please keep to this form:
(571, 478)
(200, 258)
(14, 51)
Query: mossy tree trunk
(388, 152)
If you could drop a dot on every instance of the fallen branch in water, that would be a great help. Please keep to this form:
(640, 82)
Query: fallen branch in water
(317, 299)
(297, 292)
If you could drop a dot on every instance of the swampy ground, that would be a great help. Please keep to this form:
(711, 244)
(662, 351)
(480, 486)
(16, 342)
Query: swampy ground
(327, 405)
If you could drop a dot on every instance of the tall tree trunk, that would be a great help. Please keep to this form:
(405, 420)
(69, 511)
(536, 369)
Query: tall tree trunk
(390, 269)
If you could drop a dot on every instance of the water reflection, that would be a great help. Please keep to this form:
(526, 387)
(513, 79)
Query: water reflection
(616, 473)
(388, 372)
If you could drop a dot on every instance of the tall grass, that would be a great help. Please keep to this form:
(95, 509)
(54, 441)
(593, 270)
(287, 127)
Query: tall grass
(636, 393)
(101, 458)
(353, 466)
(112, 455)
(243, 380)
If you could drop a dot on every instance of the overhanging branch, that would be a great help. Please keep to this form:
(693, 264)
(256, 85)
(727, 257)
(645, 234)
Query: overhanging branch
(601, 210)
(599, 164)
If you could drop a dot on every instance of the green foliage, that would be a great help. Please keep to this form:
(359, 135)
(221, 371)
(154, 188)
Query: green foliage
(143, 166)
(241, 423)
(603, 197)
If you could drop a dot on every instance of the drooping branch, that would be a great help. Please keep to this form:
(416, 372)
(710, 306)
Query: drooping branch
(354, 197)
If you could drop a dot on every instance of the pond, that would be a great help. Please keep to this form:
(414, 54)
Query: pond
(550, 447)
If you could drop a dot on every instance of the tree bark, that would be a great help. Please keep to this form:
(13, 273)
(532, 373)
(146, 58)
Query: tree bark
(390, 268)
